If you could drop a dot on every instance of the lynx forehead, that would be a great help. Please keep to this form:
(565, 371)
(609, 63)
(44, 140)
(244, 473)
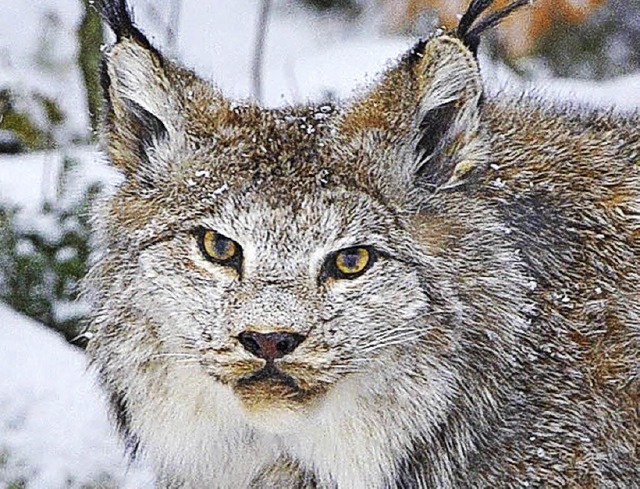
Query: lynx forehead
(423, 287)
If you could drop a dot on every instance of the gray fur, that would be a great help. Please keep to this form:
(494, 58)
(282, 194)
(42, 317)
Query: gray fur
(494, 342)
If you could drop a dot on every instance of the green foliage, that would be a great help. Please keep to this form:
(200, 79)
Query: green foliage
(90, 38)
(351, 7)
(52, 111)
(19, 484)
(34, 135)
(21, 125)
(40, 269)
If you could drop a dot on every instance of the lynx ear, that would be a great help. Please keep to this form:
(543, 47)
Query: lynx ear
(141, 110)
(427, 107)
(430, 103)
(448, 146)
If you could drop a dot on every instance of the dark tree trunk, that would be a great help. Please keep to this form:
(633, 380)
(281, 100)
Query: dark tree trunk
(90, 38)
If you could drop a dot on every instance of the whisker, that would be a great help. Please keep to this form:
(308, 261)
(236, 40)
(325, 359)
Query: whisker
(173, 355)
(390, 340)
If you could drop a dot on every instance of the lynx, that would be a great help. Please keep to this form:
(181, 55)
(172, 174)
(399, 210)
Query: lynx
(423, 287)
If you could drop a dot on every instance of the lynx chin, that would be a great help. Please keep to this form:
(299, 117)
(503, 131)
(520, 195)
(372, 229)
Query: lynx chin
(423, 287)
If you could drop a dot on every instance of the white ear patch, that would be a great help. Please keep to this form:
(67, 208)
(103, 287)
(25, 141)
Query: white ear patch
(137, 75)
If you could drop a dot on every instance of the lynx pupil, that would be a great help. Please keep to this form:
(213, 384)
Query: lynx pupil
(218, 247)
(352, 261)
(223, 247)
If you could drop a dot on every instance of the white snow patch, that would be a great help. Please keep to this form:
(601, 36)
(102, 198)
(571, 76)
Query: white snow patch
(65, 310)
(31, 181)
(621, 94)
(53, 426)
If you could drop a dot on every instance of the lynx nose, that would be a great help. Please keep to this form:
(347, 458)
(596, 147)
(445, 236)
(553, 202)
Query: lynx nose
(270, 345)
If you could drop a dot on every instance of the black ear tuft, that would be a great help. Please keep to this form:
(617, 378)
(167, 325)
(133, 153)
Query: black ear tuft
(119, 17)
(469, 30)
(476, 8)
(116, 13)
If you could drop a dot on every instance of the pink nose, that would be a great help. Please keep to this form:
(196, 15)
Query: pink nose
(270, 346)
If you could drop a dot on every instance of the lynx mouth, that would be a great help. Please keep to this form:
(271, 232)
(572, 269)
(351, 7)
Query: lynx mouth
(269, 387)
(269, 374)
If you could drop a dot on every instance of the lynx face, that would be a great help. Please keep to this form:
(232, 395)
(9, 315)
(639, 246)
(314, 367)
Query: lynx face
(284, 284)
(276, 248)
(279, 273)
(422, 287)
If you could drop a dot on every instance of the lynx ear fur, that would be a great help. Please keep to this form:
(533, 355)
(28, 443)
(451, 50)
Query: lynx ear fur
(448, 145)
(428, 105)
(146, 97)
(140, 109)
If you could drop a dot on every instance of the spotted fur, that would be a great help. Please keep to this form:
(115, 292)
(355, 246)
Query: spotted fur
(493, 343)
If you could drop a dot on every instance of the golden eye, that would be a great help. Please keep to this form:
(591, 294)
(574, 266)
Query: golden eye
(352, 261)
(218, 247)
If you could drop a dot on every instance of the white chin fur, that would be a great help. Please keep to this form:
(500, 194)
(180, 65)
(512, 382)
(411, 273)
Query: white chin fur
(201, 431)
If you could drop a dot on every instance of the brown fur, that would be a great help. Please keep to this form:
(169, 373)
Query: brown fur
(494, 341)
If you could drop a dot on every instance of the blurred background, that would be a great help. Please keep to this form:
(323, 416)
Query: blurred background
(53, 427)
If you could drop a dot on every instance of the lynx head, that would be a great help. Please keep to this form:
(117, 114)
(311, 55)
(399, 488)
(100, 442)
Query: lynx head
(294, 259)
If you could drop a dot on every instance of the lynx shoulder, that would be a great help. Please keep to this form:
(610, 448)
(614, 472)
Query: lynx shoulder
(423, 287)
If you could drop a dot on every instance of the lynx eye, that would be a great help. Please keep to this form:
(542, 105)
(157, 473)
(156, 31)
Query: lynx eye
(350, 262)
(218, 248)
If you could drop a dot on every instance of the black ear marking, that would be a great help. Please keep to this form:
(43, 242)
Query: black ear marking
(120, 411)
(433, 131)
(469, 31)
(148, 127)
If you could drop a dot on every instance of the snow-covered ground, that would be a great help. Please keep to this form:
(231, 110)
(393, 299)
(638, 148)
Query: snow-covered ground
(54, 431)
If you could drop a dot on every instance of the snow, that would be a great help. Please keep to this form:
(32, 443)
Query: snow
(29, 181)
(621, 94)
(340, 71)
(37, 53)
(53, 422)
